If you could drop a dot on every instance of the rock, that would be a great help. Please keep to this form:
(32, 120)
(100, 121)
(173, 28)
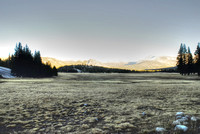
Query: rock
(178, 117)
(160, 129)
(176, 122)
(85, 104)
(143, 113)
(183, 119)
(96, 119)
(193, 118)
(185, 123)
(187, 116)
(181, 128)
(179, 114)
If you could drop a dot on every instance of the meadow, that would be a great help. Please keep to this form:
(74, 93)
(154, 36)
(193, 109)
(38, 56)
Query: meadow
(97, 103)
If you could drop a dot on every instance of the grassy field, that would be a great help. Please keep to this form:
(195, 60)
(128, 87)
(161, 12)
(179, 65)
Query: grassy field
(97, 103)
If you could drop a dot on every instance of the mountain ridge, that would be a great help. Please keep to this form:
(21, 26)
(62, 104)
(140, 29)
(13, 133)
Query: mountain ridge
(147, 63)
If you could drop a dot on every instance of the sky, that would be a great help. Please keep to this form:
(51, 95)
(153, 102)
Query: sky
(105, 30)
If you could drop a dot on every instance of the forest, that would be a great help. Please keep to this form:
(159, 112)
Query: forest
(25, 64)
(186, 63)
(92, 69)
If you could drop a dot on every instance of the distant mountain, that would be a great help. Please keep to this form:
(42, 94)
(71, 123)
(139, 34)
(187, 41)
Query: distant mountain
(155, 63)
(59, 63)
(92, 62)
(151, 62)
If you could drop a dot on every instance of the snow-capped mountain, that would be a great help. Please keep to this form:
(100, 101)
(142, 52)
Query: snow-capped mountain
(155, 63)
(151, 62)
(92, 62)
(59, 63)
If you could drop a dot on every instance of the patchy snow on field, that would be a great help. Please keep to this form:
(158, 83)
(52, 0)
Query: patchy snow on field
(5, 72)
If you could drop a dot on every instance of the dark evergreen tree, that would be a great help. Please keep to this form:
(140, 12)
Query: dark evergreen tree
(197, 59)
(37, 58)
(189, 62)
(184, 49)
(55, 71)
(180, 64)
(24, 64)
(184, 59)
(5, 62)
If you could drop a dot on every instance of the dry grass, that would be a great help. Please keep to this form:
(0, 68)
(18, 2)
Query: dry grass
(97, 103)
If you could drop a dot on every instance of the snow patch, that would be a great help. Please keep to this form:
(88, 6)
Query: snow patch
(6, 72)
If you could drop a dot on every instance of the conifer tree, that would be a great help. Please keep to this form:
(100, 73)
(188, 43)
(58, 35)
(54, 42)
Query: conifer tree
(189, 62)
(184, 59)
(180, 64)
(25, 64)
(197, 59)
(184, 49)
(37, 58)
(55, 71)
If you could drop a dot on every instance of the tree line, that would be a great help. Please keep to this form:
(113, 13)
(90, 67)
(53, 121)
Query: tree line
(5, 63)
(91, 69)
(25, 64)
(186, 63)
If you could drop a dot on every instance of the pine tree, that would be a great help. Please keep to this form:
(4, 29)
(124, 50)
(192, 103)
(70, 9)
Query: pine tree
(16, 66)
(37, 58)
(189, 62)
(180, 64)
(55, 71)
(197, 59)
(184, 59)
(184, 49)
(24, 64)
(18, 50)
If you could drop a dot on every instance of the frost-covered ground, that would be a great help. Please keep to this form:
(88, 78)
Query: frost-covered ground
(5, 72)
(97, 103)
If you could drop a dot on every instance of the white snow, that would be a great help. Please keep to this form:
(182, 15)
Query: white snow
(5, 72)
(78, 70)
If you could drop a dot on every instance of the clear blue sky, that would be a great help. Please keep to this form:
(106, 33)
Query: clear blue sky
(105, 30)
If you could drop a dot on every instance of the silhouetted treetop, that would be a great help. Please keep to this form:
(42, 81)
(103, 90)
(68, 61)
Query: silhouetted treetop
(25, 64)
(186, 64)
